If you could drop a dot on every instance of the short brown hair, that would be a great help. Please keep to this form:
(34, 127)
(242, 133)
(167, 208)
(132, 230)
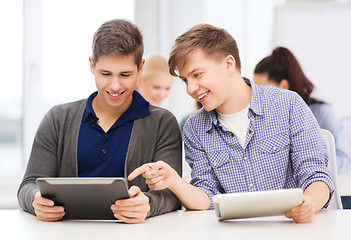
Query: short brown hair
(118, 37)
(215, 42)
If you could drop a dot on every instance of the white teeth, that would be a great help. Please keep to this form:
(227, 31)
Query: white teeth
(202, 96)
(115, 94)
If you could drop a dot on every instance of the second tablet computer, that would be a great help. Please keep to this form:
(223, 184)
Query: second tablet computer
(84, 198)
(256, 204)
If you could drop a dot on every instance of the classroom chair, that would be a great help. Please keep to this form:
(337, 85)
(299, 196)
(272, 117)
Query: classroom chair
(346, 122)
(335, 202)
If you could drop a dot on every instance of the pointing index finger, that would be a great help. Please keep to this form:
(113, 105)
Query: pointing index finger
(138, 171)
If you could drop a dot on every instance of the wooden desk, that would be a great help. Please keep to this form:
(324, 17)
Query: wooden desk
(328, 225)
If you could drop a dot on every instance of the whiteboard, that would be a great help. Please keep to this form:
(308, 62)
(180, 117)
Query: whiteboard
(319, 35)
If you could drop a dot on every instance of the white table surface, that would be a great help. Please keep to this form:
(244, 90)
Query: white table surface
(327, 224)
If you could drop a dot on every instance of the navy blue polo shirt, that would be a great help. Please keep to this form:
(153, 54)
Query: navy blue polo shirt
(103, 154)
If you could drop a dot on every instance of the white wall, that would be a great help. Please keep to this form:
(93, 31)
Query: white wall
(320, 38)
(33, 105)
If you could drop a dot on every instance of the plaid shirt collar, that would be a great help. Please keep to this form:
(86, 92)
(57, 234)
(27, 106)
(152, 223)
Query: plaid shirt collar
(254, 108)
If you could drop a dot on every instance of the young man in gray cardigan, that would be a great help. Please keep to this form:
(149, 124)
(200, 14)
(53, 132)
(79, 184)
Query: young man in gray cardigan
(109, 134)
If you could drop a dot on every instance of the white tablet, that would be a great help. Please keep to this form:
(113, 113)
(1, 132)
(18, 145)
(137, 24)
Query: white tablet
(256, 204)
(84, 198)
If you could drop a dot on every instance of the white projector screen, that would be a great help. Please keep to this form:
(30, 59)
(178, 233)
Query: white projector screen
(319, 35)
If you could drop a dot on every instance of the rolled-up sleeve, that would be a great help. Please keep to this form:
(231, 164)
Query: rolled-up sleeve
(202, 173)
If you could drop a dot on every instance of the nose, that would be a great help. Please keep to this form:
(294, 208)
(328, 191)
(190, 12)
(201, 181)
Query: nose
(115, 84)
(191, 86)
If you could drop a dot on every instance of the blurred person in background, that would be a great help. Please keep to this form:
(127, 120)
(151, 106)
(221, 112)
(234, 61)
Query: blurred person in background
(156, 81)
(281, 69)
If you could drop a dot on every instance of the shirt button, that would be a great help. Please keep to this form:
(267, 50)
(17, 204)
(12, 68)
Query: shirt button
(104, 151)
(274, 148)
(93, 125)
(106, 135)
(245, 158)
(251, 185)
(250, 131)
(232, 134)
(215, 164)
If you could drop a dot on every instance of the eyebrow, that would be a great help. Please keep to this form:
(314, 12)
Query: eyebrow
(191, 72)
(102, 70)
(124, 72)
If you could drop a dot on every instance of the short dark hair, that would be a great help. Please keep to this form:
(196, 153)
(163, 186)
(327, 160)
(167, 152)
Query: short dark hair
(120, 38)
(215, 42)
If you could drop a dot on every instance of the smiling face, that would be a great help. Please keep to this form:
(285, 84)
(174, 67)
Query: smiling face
(115, 79)
(208, 80)
(156, 88)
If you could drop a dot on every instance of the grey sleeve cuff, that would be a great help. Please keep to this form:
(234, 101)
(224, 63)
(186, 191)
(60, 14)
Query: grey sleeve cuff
(25, 197)
(161, 202)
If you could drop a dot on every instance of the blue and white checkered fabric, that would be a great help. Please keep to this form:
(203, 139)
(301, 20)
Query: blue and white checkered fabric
(283, 149)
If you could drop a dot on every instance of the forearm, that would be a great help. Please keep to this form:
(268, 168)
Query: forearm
(25, 196)
(191, 197)
(319, 193)
(162, 201)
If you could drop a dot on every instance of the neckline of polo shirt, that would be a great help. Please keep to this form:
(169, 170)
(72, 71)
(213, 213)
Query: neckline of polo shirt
(89, 112)
(139, 108)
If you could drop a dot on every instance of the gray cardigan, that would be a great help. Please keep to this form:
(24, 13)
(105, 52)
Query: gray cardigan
(54, 152)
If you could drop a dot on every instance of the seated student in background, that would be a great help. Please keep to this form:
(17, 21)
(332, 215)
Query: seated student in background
(155, 82)
(246, 137)
(109, 134)
(281, 69)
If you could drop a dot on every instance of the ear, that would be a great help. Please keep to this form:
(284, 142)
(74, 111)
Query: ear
(140, 72)
(91, 65)
(139, 82)
(230, 62)
(141, 67)
(284, 84)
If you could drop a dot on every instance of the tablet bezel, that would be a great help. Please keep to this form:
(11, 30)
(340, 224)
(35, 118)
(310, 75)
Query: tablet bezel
(84, 197)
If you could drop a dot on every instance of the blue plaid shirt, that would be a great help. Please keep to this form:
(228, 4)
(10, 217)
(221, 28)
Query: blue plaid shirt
(283, 149)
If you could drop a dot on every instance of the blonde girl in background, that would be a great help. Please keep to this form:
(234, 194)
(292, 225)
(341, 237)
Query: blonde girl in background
(156, 81)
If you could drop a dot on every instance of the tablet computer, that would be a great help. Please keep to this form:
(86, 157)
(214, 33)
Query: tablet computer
(84, 198)
(256, 204)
